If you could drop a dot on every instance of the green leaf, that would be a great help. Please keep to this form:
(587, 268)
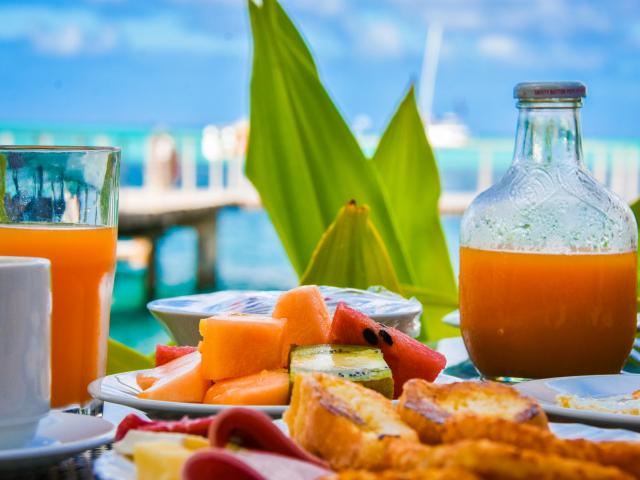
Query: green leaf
(351, 254)
(121, 358)
(409, 176)
(302, 158)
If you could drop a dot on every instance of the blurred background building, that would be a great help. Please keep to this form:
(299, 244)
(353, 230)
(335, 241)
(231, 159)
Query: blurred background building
(167, 81)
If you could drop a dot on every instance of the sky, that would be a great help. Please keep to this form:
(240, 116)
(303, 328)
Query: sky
(187, 62)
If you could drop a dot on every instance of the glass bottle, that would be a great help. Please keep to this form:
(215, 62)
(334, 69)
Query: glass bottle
(548, 254)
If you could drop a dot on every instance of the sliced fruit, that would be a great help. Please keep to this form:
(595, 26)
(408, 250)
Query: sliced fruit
(160, 460)
(364, 365)
(269, 387)
(167, 353)
(182, 383)
(308, 320)
(147, 378)
(407, 357)
(236, 345)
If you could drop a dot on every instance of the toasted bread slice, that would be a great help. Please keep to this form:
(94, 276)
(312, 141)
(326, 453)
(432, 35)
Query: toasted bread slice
(417, 474)
(624, 455)
(426, 406)
(500, 461)
(346, 424)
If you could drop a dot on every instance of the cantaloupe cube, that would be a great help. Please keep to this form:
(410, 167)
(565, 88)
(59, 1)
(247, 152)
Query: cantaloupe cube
(308, 320)
(146, 378)
(235, 345)
(182, 382)
(269, 387)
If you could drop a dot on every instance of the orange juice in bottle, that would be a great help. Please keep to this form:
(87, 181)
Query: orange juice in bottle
(548, 255)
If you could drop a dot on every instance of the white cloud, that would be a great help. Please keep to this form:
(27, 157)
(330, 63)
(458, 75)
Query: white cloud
(66, 32)
(502, 47)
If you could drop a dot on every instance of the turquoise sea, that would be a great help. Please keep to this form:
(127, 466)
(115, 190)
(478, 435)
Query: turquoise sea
(248, 250)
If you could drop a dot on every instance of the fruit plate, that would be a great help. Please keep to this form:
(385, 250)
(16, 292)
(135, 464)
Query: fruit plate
(123, 389)
(112, 466)
(595, 387)
(59, 436)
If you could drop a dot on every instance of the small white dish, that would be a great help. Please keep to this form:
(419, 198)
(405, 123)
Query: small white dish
(546, 390)
(181, 315)
(122, 389)
(112, 466)
(59, 436)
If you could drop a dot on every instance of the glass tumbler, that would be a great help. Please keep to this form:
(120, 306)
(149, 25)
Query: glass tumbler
(61, 203)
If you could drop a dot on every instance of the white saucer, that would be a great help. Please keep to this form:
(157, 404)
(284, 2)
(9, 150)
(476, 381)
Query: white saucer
(59, 436)
(546, 390)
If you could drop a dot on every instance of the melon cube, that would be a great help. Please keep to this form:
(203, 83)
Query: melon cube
(269, 387)
(235, 345)
(307, 316)
(182, 381)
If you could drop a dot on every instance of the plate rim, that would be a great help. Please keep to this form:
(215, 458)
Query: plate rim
(580, 414)
(61, 449)
(95, 390)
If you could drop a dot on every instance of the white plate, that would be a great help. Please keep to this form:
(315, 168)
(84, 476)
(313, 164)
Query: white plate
(59, 436)
(453, 319)
(112, 466)
(122, 389)
(545, 392)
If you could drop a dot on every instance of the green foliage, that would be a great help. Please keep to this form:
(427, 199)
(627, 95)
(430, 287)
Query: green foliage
(351, 254)
(302, 157)
(306, 164)
(121, 358)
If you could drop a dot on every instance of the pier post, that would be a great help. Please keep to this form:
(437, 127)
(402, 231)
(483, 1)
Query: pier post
(206, 275)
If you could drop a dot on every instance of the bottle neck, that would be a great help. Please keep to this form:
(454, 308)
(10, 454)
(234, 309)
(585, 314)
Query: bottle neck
(548, 133)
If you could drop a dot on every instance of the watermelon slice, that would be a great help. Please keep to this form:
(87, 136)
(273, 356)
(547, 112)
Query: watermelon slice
(167, 353)
(407, 357)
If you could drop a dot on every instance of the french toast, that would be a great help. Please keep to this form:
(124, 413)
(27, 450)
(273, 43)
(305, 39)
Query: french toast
(348, 425)
(417, 474)
(426, 407)
(624, 455)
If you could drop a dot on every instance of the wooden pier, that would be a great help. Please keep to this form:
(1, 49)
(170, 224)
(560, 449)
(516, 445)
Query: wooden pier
(148, 213)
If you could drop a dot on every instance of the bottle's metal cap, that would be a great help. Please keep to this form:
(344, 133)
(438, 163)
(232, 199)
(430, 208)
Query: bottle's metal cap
(549, 90)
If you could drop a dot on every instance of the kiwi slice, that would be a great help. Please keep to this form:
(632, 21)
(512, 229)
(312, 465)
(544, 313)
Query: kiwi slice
(364, 365)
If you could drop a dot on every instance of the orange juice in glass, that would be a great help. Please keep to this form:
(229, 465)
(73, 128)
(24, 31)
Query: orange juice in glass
(61, 203)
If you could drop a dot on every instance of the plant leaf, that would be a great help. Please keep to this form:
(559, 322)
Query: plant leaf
(302, 158)
(409, 176)
(351, 254)
(121, 358)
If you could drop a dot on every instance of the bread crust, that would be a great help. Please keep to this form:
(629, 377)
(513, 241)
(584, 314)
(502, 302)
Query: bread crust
(426, 407)
(418, 474)
(347, 424)
(624, 455)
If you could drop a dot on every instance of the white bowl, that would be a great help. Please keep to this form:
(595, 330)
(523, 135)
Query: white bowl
(182, 315)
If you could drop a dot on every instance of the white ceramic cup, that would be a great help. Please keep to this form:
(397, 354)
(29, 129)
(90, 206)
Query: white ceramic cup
(25, 347)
